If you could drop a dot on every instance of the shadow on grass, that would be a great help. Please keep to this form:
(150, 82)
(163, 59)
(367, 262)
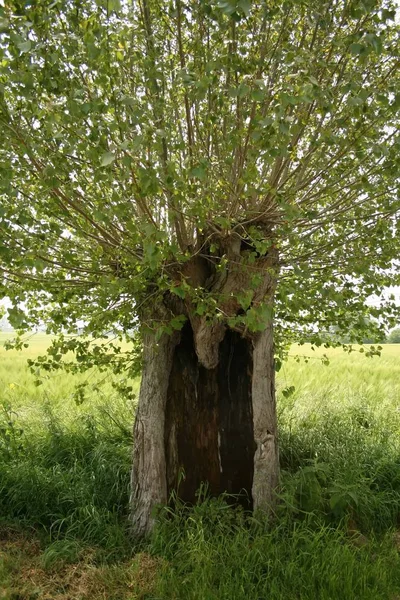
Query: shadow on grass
(68, 481)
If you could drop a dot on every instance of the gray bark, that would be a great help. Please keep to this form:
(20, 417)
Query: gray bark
(149, 479)
(193, 382)
(266, 457)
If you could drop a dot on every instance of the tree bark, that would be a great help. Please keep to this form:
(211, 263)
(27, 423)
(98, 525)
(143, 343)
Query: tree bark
(197, 425)
(206, 411)
(148, 478)
(266, 457)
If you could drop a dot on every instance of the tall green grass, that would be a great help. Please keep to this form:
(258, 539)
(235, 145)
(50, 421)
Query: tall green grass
(64, 473)
(215, 553)
(339, 434)
(64, 468)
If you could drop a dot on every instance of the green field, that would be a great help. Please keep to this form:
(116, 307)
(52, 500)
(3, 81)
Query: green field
(64, 485)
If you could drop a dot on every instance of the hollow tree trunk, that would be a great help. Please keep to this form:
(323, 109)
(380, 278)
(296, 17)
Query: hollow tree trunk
(213, 424)
(208, 428)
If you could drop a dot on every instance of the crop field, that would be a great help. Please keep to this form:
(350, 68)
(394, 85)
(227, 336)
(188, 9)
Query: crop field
(64, 491)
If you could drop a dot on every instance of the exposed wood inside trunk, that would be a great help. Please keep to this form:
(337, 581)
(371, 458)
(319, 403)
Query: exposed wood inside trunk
(196, 425)
(206, 411)
(209, 422)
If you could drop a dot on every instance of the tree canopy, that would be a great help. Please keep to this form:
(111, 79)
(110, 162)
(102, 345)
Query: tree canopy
(137, 135)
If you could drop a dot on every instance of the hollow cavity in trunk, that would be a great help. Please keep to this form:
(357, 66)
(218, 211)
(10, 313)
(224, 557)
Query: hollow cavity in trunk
(197, 425)
(209, 434)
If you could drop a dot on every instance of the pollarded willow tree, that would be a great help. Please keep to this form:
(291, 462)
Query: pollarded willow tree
(195, 173)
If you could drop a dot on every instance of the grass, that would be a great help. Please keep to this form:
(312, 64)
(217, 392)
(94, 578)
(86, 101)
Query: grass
(64, 485)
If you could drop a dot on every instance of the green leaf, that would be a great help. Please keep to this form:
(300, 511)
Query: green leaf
(114, 5)
(107, 158)
(16, 317)
(355, 101)
(227, 6)
(25, 46)
(109, 5)
(243, 90)
(266, 122)
(199, 172)
(178, 322)
(128, 100)
(289, 391)
(258, 95)
(245, 6)
(357, 48)
(4, 24)
(375, 41)
(313, 80)
(179, 291)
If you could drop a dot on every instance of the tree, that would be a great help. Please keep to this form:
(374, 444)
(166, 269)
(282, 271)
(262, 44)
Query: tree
(394, 336)
(205, 174)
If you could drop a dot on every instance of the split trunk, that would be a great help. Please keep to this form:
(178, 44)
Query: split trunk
(205, 421)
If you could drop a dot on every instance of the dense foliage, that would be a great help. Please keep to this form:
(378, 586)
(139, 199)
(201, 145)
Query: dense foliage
(136, 136)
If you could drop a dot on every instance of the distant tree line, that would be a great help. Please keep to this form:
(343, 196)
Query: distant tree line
(394, 336)
(376, 336)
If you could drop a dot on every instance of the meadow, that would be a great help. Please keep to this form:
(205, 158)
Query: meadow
(64, 487)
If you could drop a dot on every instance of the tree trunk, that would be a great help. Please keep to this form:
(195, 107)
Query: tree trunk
(197, 425)
(148, 478)
(266, 457)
